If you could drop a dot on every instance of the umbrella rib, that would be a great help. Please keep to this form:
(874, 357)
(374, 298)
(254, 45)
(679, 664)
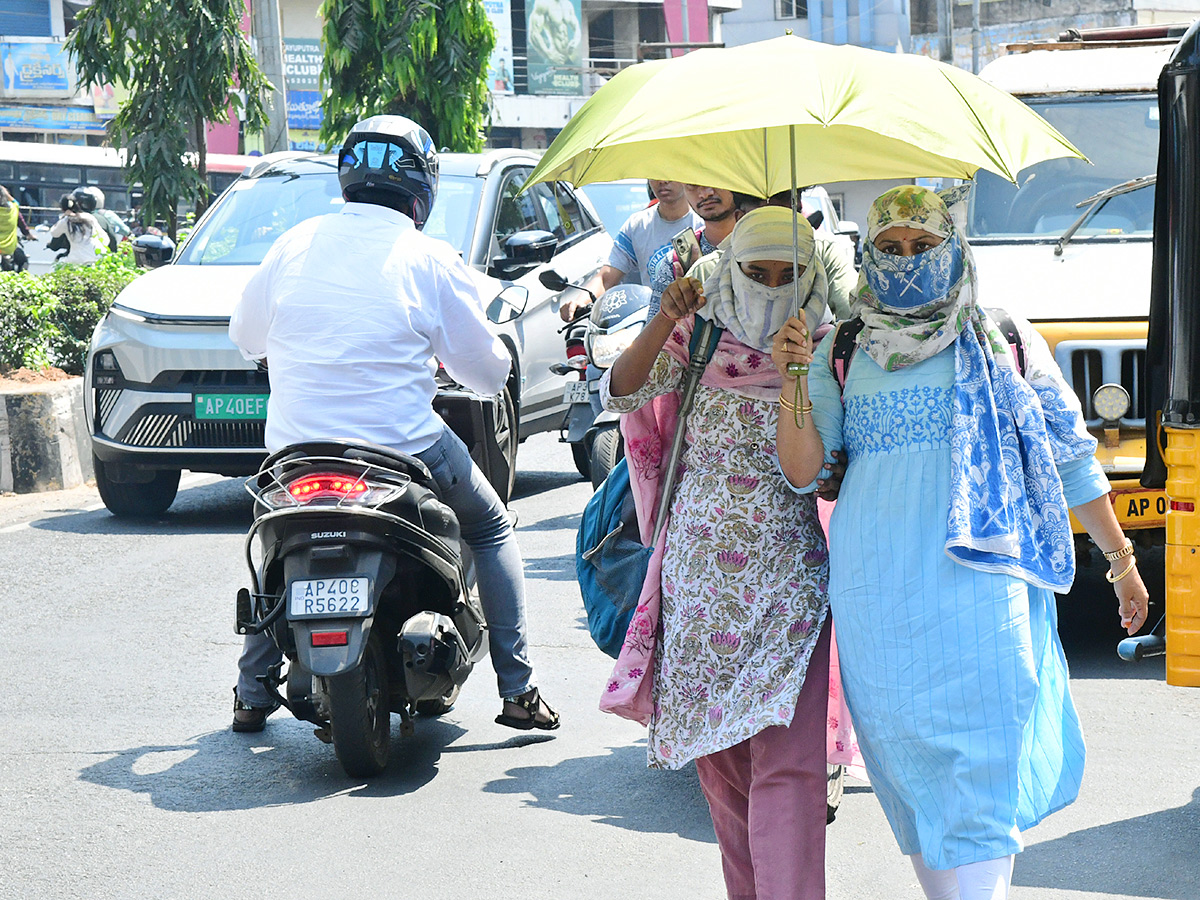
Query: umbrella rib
(994, 151)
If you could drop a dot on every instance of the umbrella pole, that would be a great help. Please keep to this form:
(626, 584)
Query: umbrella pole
(796, 369)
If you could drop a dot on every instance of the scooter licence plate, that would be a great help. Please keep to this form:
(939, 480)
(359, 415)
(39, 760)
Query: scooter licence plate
(576, 392)
(328, 597)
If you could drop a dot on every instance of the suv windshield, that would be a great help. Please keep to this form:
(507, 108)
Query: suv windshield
(255, 211)
(1119, 134)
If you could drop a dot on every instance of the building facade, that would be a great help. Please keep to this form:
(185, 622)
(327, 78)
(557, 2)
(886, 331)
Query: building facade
(40, 97)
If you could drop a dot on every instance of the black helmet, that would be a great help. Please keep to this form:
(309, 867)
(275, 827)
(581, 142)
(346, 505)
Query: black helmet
(391, 161)
(84, 199)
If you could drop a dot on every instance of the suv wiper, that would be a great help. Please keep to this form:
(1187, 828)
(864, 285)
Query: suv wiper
(1096, 202)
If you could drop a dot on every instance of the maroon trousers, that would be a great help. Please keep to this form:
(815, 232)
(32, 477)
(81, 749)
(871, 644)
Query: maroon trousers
(767, 798)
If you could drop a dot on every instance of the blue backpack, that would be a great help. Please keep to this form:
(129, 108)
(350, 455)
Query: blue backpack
(610, 558)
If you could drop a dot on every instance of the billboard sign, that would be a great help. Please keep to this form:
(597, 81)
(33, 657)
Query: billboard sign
(35, 70)
(555, 47)
(500, 66)
(302, 59)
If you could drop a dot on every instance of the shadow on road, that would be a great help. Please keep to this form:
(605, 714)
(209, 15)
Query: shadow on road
(219, 508)
(537, 481)
(616, 789)
(1146, 856)
(284, 765)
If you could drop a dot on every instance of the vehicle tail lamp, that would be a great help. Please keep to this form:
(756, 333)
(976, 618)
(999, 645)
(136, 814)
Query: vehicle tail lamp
(332, 488)
(329, 639)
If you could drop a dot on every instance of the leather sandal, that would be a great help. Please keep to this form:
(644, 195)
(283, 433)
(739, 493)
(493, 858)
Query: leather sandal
(531, 701)
(250, 719)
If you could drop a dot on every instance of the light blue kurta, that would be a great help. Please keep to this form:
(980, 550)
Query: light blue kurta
(956, 679)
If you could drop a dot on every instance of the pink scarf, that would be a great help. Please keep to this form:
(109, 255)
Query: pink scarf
(648, 432)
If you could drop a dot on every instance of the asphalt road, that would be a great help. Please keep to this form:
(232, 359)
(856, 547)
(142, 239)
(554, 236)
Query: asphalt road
(119, 777)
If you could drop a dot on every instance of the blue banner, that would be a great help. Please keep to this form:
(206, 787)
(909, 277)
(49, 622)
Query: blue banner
(304, 110)
(50, 118)
(35, 69)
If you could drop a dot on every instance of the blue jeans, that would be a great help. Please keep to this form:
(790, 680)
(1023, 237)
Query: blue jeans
(499, 571)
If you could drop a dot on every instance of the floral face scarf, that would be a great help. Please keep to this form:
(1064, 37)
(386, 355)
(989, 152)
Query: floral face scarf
(1007, 510)
(901, 333)
(753, 312)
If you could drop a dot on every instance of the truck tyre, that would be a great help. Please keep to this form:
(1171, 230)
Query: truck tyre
(127, 499)
(360, 715)
(607, 449)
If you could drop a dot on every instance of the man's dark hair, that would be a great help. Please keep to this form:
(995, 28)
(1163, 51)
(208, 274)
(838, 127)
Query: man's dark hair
(744, 203)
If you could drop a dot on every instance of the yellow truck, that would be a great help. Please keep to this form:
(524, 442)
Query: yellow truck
(1069, 246)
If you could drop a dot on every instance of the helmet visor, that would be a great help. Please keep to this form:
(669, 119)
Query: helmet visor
(379, 156)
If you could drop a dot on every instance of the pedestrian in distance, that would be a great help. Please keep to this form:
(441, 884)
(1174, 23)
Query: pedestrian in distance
(949, 539)
(740, 681)
(349, 310)
(642, 241)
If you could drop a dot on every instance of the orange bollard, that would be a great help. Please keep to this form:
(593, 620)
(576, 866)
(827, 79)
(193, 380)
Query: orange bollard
(1182, 457)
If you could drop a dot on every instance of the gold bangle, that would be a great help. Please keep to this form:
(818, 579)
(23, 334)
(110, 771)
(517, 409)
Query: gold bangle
(807, 408)
(1125, 551)
(790, 407)
(1113, 579)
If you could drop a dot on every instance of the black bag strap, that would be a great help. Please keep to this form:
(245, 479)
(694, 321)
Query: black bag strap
(846, 333)
(844, 344)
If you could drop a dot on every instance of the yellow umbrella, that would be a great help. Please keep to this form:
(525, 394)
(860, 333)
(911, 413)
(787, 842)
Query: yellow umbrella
(764, 117)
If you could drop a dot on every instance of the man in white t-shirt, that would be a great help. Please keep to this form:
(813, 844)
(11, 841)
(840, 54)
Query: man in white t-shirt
(642, 241)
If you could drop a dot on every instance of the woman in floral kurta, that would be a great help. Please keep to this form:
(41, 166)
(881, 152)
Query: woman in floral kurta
(741, 671)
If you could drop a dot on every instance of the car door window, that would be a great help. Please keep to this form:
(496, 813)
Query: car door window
(569, 206)
(514, 212)
(556, 222)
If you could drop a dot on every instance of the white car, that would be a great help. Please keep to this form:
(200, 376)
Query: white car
(169, 391)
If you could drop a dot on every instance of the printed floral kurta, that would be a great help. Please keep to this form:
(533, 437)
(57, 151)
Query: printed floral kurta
(744, 575)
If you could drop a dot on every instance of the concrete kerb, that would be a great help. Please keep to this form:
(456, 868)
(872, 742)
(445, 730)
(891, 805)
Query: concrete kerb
(44, 441)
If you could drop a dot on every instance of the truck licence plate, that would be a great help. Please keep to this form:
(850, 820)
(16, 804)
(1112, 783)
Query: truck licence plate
(328, 597)
(230, 407)
(576, 392)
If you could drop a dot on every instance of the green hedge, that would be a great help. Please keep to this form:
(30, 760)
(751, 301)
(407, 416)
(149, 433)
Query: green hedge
(47, 320)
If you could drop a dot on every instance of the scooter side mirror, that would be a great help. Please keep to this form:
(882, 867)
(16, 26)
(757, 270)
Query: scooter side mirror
(553, 280)
(508, 304)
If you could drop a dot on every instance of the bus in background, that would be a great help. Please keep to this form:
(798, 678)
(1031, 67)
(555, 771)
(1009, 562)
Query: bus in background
(1069, 246)
(39, 174)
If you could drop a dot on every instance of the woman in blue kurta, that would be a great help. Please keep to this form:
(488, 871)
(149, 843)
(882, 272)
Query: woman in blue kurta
(949, 538)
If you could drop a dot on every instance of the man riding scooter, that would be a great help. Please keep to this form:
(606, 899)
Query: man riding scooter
(350, 310)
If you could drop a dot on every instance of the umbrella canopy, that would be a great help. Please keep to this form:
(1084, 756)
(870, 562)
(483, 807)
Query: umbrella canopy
(729, 118)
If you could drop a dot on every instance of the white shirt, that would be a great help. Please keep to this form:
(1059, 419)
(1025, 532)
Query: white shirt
(83, 234)
(350, 309)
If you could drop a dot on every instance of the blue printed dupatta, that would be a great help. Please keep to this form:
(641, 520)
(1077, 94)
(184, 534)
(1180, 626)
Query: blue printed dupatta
(1008, 512)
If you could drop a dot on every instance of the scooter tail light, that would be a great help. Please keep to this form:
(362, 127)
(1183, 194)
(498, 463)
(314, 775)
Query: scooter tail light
(330, 487)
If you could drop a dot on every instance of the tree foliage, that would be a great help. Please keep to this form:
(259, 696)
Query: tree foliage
(182, 62)
(418, 58)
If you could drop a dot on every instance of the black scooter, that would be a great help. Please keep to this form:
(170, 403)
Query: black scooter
(363, 583)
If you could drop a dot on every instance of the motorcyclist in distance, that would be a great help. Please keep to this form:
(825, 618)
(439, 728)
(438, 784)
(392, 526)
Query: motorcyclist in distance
(350, 309)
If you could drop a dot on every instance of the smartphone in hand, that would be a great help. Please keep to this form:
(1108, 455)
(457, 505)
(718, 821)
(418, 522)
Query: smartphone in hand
(687, 248)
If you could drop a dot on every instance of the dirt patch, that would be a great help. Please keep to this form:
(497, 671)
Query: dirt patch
(32, 376)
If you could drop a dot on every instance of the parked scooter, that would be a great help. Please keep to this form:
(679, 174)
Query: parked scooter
(616, 318)
(362, 581)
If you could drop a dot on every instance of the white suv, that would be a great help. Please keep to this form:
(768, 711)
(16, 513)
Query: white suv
(169, 391)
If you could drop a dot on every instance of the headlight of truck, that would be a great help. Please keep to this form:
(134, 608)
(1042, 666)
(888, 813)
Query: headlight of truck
(605, 348)
(1111, 402)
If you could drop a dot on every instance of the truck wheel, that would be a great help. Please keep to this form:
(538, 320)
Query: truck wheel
(360, 715)
(607, 449)
(583, 459)
(128, 499)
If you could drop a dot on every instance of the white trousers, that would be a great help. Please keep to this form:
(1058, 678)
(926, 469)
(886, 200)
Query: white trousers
(986, 880)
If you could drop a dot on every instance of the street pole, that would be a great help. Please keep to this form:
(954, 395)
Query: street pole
(975, 37)
(268, 47)
(945, 24)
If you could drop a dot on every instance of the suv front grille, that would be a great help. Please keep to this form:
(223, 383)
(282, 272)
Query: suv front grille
(176, 431)
(1089, 364)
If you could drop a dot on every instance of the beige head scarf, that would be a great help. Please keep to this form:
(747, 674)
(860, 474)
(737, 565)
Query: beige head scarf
(753, 312)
